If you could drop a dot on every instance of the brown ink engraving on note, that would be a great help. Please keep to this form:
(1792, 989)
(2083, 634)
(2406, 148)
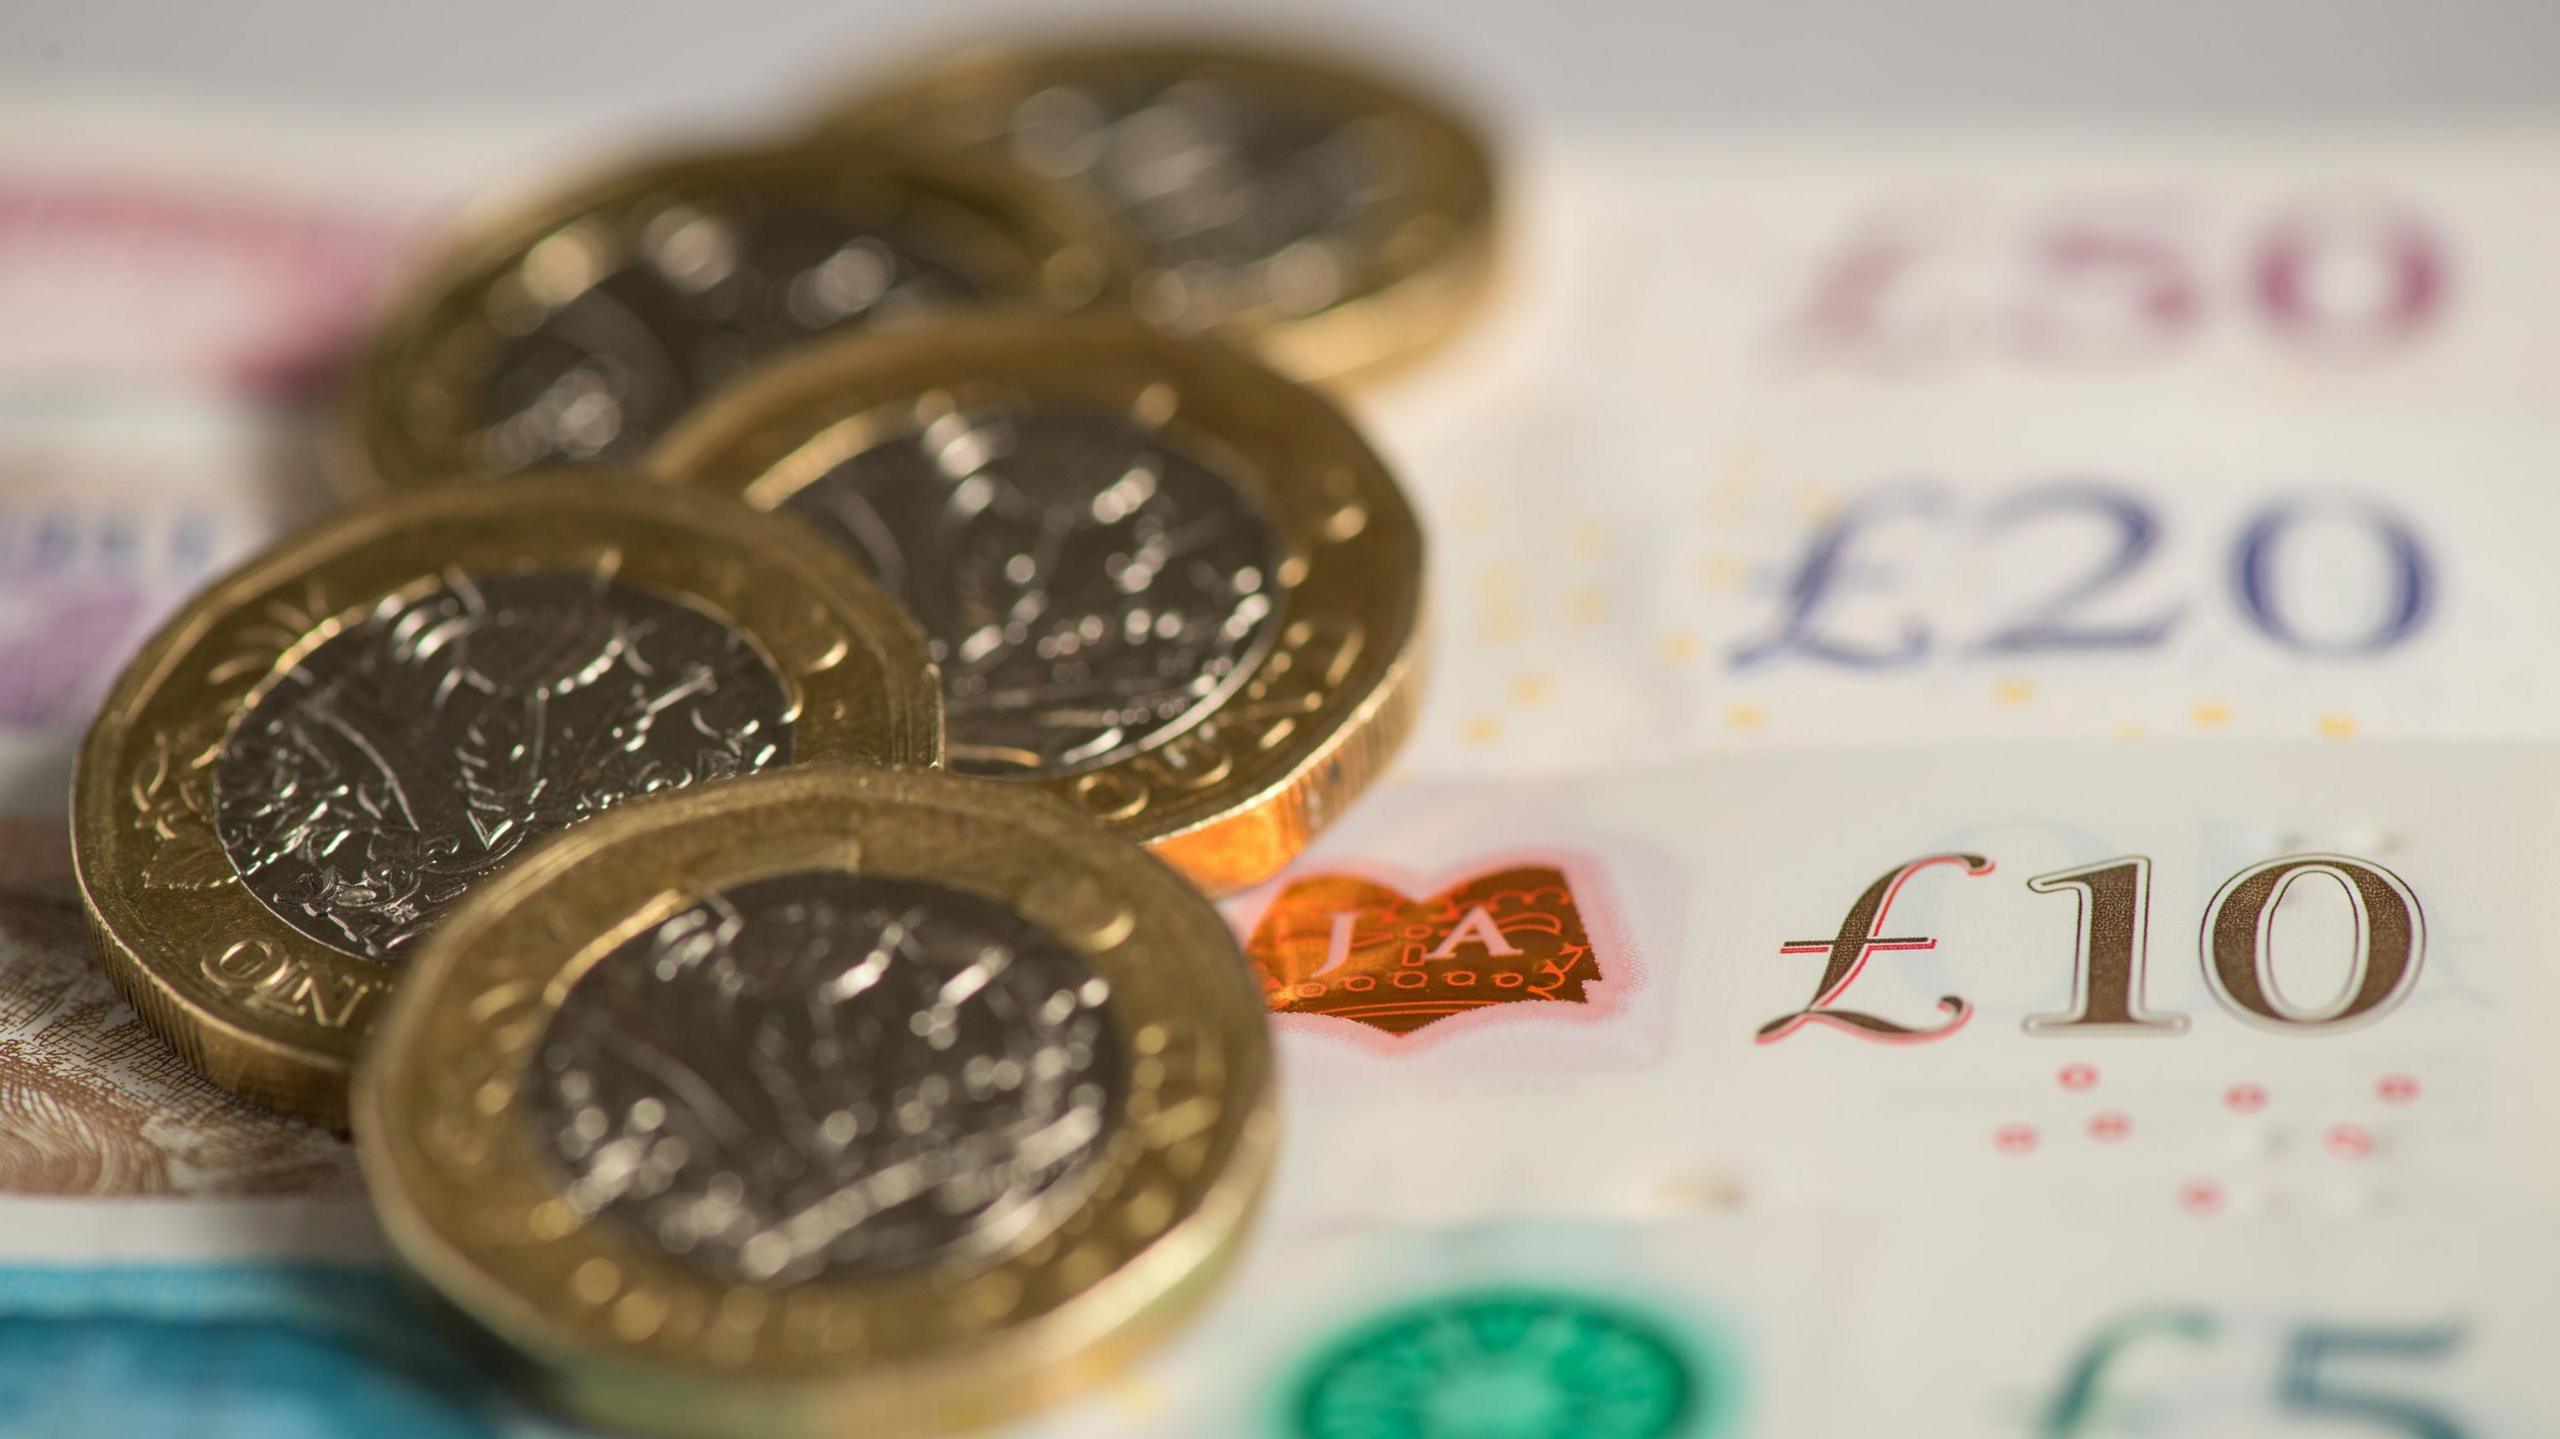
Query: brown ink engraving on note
(91, 1103)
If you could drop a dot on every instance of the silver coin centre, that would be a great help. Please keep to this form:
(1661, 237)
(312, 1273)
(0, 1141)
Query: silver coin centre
(824, 1075)
(680, 302)
(1089, 587)
(369, 786)
(1241, 202)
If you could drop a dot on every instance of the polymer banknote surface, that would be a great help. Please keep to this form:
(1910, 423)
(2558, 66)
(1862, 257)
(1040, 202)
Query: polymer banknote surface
(1783, 444)
(1771, 443)
(1973, 828)
(2048, 1090)
(2089, 1083)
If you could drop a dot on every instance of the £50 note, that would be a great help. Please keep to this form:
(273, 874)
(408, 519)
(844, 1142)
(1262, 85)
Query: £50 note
(1784, 443)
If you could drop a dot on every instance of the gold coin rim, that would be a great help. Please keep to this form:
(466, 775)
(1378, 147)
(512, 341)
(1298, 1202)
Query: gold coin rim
(627, 1336)
(1393, 314)
(851, 662)
(1354, 544)
(1077, 258)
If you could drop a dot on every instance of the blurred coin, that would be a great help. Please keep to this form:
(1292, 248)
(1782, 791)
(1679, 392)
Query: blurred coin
(831, 1102)
(1161, 581)
(1341, 221)
(572, 331)
(325, 750)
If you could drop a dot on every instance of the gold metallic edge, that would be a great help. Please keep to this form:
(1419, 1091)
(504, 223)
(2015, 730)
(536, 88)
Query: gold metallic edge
(1293, 799)
(1374, 334)
(308, 1080)
(1180, 1265)
(370, 454)
(1257, 838)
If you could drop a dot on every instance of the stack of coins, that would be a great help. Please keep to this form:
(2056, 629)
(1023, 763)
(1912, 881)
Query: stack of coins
(729, 818)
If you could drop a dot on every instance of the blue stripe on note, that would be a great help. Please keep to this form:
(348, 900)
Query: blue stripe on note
(233, 1351)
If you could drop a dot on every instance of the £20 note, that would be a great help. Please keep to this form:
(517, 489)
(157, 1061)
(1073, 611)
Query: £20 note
(1785, 443)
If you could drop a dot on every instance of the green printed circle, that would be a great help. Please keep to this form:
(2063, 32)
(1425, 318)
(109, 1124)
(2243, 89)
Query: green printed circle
(1504, 1364)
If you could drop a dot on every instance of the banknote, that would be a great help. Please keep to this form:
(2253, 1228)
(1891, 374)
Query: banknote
(1685, 1328)
(1782, 443)
(180, 288)
(1716, 1327)
(2136, 979)
(207, 249)
(2272, 580)
(1845, 910)
(1766, 443)
(2145, 1088)
(113, 511)
(1901, 277)
(2316, 1326)
(1695, 1327)
(238, 1351)
(245, 1311)
(2210, 1074)
(95, 1106)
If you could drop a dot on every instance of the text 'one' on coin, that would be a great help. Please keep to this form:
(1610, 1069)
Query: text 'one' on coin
(327, 749)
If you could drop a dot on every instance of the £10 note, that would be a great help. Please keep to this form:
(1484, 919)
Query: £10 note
(2207, 981)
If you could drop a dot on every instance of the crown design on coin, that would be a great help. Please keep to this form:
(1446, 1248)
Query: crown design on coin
(1352, 948)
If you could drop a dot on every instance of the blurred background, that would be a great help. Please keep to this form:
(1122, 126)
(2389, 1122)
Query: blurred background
(2205, 274)
(1542, 63)
(201, 206)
